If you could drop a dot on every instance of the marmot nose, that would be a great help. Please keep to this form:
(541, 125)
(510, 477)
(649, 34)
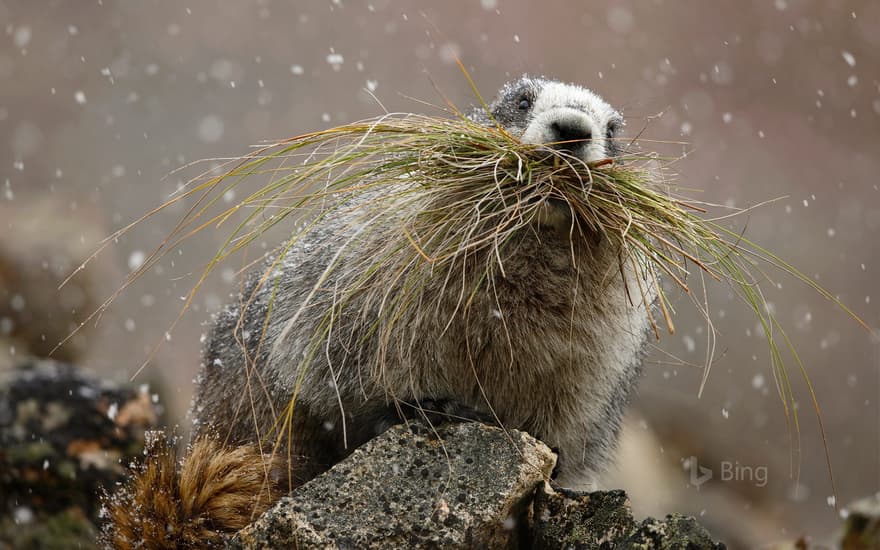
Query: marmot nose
(570, 134)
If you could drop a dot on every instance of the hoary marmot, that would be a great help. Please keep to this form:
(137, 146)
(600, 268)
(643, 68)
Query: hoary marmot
(552, 346)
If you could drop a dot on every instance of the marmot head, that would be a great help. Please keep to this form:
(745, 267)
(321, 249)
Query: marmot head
(568, 117)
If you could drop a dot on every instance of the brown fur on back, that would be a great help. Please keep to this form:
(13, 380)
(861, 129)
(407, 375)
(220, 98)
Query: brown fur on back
(215, 491)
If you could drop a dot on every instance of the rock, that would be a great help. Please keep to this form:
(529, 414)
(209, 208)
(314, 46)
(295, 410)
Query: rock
(673, 533)
(568, 519)
(466, 486)
(463, 486)
(603, 519)
(64, 438)
(861, 529)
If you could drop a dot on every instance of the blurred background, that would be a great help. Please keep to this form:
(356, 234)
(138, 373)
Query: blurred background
(102, 101)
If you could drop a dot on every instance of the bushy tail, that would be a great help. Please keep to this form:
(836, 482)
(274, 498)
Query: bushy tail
(216, 490)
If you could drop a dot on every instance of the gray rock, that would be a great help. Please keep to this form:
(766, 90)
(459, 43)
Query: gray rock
(603, 519)
(463, 486)
(65, 437)
(861, 530)
(568, 519)
(675, 532)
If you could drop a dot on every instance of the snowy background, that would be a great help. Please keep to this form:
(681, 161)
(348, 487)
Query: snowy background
(101, 100)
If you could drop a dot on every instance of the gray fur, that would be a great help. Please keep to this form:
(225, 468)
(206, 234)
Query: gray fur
(552, 346)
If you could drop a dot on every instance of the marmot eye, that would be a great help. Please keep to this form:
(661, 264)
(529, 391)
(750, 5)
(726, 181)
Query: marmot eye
(524, 104)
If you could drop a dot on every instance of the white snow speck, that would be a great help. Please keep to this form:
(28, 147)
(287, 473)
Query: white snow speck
(221, 69)
(22, 515)
(758, 381)
(725, 413)
(726, 117)
(129, 325)
(781, 5)
(17, 302)
(449, 52)
(722, 73)
(489, 5)
(852, 81)
(80, 97)
(72, 30)
(620, 19)
(297, 69)
(831, 500)
(798, 492)
(112, 411)
(689, 343)
(211, 129)
(335, 60)
(849, 58)
(136, 259)
(22, 36)
(372, 85)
